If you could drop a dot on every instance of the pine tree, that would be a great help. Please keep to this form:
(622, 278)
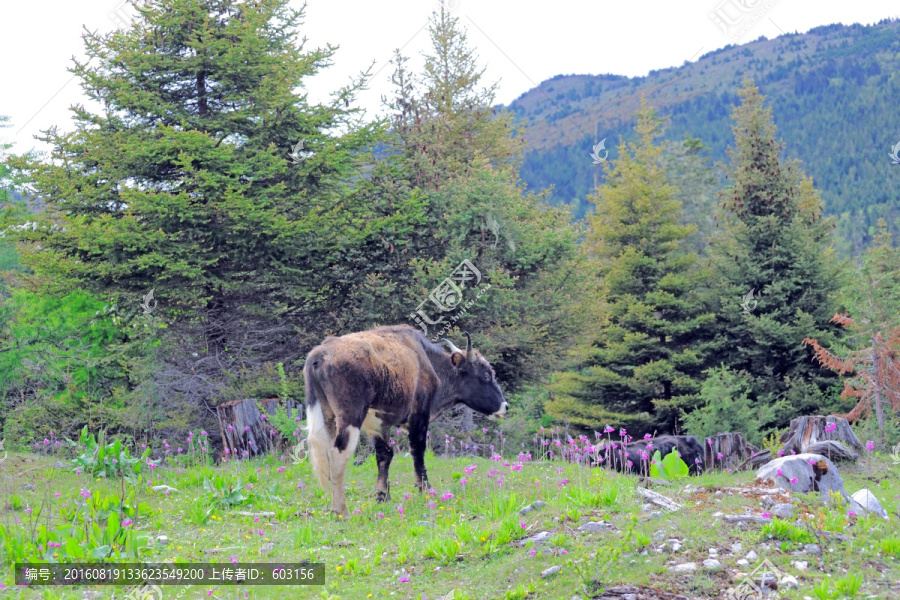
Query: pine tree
(647, 361)
(209, 179)
(869, 356)
(775, 269)
(459, 155)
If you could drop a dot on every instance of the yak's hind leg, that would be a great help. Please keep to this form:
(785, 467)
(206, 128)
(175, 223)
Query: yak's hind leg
(339, 455)
(383, 456)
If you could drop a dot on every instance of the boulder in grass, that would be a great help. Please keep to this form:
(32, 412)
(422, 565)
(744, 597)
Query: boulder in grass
(867, 501)
(804, 473)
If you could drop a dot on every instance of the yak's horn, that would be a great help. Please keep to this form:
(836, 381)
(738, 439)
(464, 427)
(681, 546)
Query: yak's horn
(470, 354)
(453, 348)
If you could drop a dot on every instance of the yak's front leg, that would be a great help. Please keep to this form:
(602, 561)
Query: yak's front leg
(383, 456)
(418, 430)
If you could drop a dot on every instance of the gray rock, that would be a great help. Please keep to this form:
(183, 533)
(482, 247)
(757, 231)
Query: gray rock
(59, 465)
(797, 467)
(550, 571)
(536, 505)
(800, 565)
(655, 514)
(812, 549)
(164, 488)
(782, 511)
(711, 564)
(674, 545)
(30, 487)
(751, 556)
(736, 547)
(265, 548)
(593, 527)
(713, 552)
(767, 502)
(684, 568)
(743, 562)
(647, 507)
(162, 540)
(789, 582)
(538, 538)
(869, 503)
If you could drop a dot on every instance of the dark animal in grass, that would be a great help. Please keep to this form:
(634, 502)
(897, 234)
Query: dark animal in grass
(382, 378)
(630, 459)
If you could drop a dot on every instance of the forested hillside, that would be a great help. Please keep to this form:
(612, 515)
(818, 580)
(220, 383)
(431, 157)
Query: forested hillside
(833, 93)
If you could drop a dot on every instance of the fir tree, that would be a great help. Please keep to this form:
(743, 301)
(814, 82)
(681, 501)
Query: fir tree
(775, 269)
(647, 361)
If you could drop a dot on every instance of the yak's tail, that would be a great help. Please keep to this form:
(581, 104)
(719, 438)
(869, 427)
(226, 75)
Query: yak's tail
(317, 433)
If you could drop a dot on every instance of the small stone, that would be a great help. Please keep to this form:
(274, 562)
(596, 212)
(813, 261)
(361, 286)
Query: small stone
(751, 556)
(736, 547)
(267, 548)
(812, 549)
(162, 539)
(29, 486)
(767, 502)
(59, 465)
(593, 527)
(713, 552)
(164, 488)
(718, 492)
(674, 545)
(743, 562)
(711, 564)
(550, 571)
(647, 507)
(782, 511)
(684, 568)
(538, 538)
(789, 582)
(716, 515)
(800, 565)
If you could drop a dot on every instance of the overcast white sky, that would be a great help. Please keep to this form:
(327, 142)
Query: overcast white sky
(521, 42)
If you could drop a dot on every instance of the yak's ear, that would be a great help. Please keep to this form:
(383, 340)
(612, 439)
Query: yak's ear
(457, 358)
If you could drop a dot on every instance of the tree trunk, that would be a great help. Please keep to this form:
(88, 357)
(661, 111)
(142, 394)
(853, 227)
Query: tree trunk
(733, 448)
(876, 383)
(805, 432)
(244, 432)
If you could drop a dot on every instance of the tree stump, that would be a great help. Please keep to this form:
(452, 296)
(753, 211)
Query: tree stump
(244, 432)
(805, 432)
(733, 448)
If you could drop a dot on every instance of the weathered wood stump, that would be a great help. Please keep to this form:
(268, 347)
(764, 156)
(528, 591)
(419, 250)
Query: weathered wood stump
(733, 448)
(244, 430)
(806, 432)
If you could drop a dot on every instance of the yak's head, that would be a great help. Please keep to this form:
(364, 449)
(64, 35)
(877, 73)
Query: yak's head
(475, 384)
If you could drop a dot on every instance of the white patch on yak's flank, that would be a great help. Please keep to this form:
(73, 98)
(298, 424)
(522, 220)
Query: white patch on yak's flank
(372, 424)
(319, 443)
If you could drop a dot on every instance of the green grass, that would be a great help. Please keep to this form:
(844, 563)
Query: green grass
(469, 542)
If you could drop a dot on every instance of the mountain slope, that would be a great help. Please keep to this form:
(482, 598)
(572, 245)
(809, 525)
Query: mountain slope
(833, 92)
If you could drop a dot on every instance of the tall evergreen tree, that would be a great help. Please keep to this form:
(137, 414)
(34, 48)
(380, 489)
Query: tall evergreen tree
(774, 242)
(869, 356)
(459, 155)
(647, 361)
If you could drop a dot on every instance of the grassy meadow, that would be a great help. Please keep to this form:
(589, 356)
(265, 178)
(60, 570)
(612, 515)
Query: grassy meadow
(464, 540)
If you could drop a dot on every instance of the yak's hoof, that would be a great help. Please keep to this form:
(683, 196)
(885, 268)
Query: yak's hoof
(341, 513)
(383, 497)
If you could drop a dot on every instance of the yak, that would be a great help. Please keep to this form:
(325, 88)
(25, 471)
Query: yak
(386, 377)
